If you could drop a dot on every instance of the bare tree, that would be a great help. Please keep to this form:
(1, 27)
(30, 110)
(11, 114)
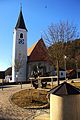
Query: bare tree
(19, 62)
(56, 37)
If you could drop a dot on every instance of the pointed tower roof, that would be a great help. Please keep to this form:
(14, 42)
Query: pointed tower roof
(65, 89)
(20, 22)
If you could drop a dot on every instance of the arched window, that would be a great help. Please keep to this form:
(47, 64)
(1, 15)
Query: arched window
(21, 35)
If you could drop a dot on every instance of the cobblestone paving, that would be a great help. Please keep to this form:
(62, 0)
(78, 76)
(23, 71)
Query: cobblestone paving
(9, 111)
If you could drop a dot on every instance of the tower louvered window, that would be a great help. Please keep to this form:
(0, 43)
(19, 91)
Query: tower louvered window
(21, 35)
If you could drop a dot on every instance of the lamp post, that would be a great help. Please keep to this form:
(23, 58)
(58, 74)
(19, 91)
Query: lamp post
(65, 65)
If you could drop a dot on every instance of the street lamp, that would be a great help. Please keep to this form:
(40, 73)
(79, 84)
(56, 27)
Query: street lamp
(65, 65)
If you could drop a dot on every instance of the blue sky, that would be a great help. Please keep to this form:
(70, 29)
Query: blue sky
(38, 15)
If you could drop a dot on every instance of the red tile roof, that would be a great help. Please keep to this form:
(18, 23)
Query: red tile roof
(31, 49)
(38, 52)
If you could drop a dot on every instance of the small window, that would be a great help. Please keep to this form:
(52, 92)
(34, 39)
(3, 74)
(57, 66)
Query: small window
(21, 35)
(61, 73)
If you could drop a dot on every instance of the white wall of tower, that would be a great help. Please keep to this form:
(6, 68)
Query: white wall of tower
(19, 50)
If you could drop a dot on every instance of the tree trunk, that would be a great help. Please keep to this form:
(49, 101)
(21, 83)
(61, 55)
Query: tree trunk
(58, 72)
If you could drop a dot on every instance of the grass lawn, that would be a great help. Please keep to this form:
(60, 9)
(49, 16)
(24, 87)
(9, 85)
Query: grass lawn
(34, 98)
(30, 98)
(76, 84)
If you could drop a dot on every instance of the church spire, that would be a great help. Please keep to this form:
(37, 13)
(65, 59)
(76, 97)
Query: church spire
(21, 6)
(20, 22)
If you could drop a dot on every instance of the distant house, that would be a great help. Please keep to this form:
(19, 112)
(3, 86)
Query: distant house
(62, 73)
(2, 76)
(73, 73)
(8, 74)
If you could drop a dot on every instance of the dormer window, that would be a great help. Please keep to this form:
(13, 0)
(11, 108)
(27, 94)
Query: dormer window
(21, 35)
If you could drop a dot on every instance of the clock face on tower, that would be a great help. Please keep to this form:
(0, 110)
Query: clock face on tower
(21, 40)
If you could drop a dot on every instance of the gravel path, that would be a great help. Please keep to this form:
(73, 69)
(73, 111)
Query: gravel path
(9, 111)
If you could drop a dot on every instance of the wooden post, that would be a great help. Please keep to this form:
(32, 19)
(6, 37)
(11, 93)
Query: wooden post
(21, 84)
(39, 82)
(51, 82)
(31, 82)
(31, 97)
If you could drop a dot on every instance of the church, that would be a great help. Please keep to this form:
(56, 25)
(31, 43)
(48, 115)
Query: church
(26, 61)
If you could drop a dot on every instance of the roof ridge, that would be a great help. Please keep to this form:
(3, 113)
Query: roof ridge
(33, 46)
(58, 88)
(31, 49)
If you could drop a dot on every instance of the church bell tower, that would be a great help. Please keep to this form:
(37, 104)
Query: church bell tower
(19, 55)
